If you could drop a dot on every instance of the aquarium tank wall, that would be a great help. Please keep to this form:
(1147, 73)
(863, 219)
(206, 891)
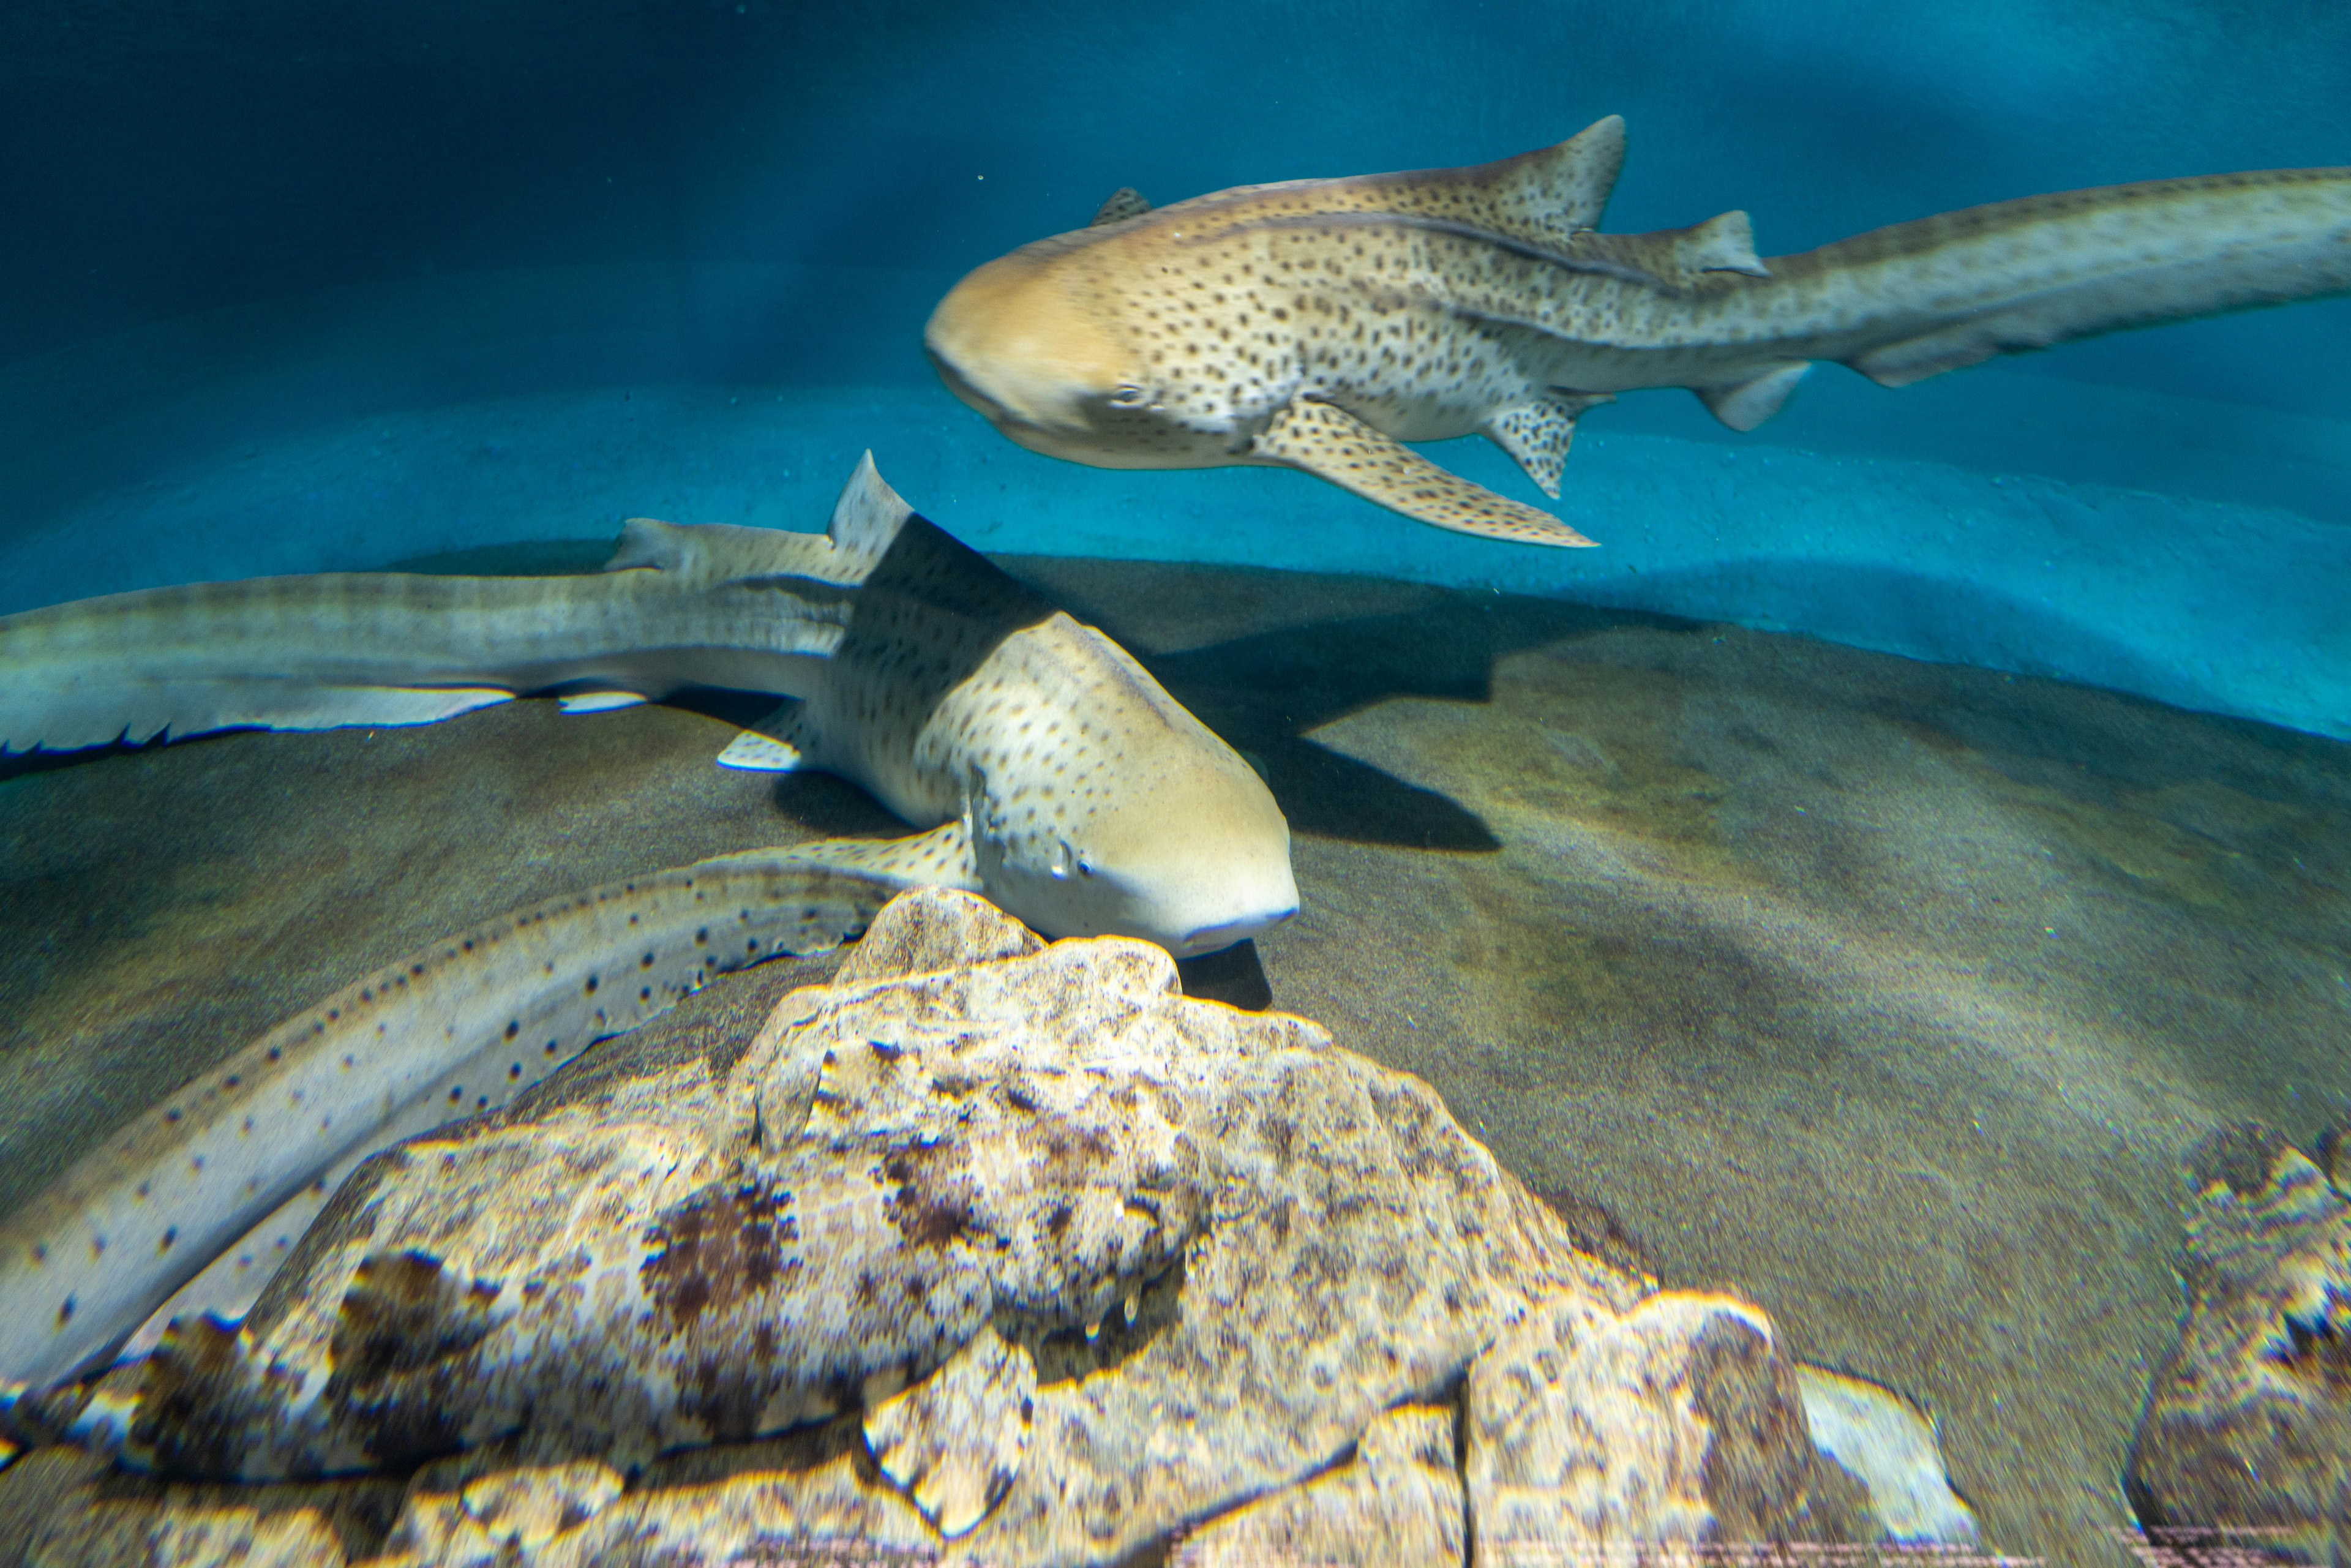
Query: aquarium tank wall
(1889, 896)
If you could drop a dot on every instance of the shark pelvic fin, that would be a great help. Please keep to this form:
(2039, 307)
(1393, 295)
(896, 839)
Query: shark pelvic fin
(1331, 444)
(1124, 202)
(1538, 434)
(777, 744)
(1743, 405)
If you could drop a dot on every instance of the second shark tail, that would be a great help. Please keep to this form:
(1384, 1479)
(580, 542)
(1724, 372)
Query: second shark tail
(1916, 299)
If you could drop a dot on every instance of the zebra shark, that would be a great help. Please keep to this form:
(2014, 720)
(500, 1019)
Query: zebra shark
(1085, 800)
(1051, 774)
(1322, 324)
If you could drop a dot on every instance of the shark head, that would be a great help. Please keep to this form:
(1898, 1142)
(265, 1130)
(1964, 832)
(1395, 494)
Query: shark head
(1143, 823)
(1018, 343)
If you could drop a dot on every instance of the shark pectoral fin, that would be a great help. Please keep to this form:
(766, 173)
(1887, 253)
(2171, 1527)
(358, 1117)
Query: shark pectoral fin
(941, 858)
(1331, 444)
(777, 744)
(599, 702)
(1743, 405)
(1124, 202)
(1538, 434)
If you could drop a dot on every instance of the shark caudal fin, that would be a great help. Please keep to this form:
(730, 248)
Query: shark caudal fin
(1942, 292)
(35, 716)
(1331, 444)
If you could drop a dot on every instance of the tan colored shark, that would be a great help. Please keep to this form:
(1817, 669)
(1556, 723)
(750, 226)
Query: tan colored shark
(1054, 776)
(1085, 799)
(1320, 324)
(191, 1207)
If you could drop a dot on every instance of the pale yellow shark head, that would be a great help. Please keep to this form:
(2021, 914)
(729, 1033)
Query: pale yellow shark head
(1107, 810)
(1021, 341)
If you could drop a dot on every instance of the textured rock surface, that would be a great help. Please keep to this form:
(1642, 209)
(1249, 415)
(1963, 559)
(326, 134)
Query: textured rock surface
(2248, 1426)
(1006, 1252)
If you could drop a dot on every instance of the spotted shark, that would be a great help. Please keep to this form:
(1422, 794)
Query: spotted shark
(191, 1207)
(1323, 324)
(1082, 799)
(1051, 774)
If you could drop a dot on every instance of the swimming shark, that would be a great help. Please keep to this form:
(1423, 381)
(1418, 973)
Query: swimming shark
(1322, 324)
(1084, 799)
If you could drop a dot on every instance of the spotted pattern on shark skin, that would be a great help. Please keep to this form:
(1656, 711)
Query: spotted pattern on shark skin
(1439, 303)
(1064, 783)
(459, 1028)
(863, 1252)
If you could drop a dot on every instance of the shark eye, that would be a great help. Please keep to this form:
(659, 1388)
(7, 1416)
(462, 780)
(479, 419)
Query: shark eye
(1129, 397)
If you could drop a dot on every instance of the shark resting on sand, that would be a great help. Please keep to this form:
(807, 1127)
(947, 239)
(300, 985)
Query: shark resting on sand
(1320, 324)
(1053, 776)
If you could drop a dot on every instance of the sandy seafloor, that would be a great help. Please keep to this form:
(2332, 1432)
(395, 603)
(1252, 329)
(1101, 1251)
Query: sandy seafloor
(1888, 995)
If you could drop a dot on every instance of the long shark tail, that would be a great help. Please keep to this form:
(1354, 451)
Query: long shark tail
(1913, 300)
(460, 1027)
(385, 648)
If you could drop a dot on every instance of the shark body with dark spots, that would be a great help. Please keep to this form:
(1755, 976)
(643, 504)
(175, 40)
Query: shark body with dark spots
(1322, 324)
(1052, 775)
(1079, 796)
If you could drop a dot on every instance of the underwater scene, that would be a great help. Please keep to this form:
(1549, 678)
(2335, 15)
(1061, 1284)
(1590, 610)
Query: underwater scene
(1394, 783)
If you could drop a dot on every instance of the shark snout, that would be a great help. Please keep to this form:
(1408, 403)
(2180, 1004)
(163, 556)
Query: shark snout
(1217, 938)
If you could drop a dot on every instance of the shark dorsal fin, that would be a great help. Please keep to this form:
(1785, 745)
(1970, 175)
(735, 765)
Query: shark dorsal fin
(1548, 197)
(866, 523)
(1723, 244)
(1124, 202)
(709, 553)
(649, 543)
(866, 517)
(1545, 199)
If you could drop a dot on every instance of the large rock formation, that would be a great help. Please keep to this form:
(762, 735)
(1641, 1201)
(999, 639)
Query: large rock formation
(2246, 1437)
(999, 1251)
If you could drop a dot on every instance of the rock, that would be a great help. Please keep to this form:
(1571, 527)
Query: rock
(1590, 1431)
(1397, 1504)
(1887, 1445)
(95, 1519)
(2247, 1428)
(997, 1250)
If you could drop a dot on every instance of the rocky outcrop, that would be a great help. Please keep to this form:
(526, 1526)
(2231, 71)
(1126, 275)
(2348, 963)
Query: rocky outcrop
(2246, 1437)
(998, 1251)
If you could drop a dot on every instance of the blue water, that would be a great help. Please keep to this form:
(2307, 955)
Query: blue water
(262, 232)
